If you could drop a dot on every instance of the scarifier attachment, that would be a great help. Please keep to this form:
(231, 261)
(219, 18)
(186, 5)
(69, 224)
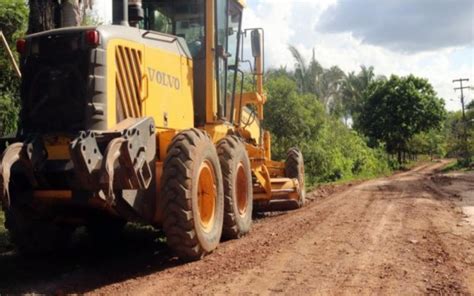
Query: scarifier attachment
(126, 162)
(27, 155)
(107, 161)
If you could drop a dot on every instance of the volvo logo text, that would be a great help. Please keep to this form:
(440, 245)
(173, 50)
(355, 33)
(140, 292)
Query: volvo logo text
(164, 79)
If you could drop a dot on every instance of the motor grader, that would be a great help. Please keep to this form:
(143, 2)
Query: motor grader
(145, 120)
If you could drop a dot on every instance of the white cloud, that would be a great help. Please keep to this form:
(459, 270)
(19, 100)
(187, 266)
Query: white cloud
(403, 25)
(294, 22)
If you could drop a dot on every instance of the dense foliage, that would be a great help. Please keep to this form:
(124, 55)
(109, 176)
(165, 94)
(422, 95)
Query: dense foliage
(459, 135)
(13, 16)
(398, 109)
(347, 124)
(332, 151)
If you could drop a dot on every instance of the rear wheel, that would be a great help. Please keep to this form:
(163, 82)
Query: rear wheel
(238, 194)
(294, 168)
(193, 194)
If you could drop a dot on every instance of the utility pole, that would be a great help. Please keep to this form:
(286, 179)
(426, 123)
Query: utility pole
(462, 88)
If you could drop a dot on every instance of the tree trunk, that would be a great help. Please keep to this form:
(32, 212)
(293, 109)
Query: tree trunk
(73, 12)
(51, 14)
(44, 15)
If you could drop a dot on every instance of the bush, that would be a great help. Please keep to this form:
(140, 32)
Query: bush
(8, 114)
(13, 20)
(331, 150)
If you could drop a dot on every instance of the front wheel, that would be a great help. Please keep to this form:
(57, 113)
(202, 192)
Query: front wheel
(193, 196)
(238, 194)
(294, 168)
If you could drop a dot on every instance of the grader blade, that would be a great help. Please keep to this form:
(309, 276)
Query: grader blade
(285, 195)
(277, 205)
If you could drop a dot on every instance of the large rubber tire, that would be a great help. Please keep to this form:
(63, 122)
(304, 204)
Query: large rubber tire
(238, 193)
(294, 168)
(32, 235)
(192, 191)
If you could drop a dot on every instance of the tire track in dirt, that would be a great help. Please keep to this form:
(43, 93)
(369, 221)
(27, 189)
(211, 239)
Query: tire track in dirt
(397, 235)
(377, 253)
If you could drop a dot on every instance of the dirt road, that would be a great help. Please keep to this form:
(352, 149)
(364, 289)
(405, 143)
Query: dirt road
(405, 234)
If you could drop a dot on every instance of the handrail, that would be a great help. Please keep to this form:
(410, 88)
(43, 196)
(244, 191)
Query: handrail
(12, 58)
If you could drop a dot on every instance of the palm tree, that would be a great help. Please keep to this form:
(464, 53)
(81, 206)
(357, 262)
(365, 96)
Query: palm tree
(315, 72)
(353, 91)
(330, 87)
(313, 78)
(301, 73)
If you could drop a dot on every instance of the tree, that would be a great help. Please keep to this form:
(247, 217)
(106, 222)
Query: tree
(74, 13)
(353, 92)
(329, 87)
(398, 109)
(312, 78)
(301, 72)
(470, 106)
(13, 16)
(51, 14)
(458, 145)
(44, 15)
(432, 143)
(292, 118)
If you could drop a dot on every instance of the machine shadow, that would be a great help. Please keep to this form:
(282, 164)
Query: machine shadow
(85, 266)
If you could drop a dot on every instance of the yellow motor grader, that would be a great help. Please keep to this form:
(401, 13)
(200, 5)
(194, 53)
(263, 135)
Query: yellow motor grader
(145, 120)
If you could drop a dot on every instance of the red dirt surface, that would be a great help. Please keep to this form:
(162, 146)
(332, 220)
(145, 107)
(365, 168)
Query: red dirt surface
(399, 235)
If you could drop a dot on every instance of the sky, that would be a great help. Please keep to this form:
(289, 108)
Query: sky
(433, 39)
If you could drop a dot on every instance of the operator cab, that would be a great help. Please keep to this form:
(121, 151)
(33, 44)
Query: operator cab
(187, 19)
(179, 18)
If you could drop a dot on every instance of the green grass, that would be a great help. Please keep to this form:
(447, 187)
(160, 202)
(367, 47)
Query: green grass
(354, 178)
(5, 244)
(455, 165)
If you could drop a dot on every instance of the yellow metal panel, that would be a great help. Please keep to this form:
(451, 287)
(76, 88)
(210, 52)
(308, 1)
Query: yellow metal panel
(164, 139)
(218, 131)
(267, 145)
(251, 124)
(263, 178)
(158, 216)
(57, 147)
(52, 194)
(153, 82)
(170, 89)
(124, 83)
(211, 86)
(128, 79)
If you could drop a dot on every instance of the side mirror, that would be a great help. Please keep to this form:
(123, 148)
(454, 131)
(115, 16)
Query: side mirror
(256, 38)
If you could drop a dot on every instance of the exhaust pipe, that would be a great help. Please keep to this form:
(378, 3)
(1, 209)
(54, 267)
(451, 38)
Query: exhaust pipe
(124, 21)
(127, 12)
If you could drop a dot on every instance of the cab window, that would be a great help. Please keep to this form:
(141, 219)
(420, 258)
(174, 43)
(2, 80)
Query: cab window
(183, 18)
